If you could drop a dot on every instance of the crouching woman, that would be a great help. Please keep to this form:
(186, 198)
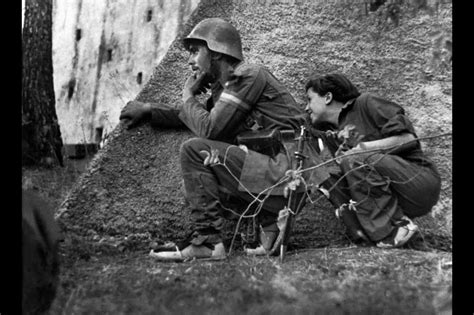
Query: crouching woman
(385, 179)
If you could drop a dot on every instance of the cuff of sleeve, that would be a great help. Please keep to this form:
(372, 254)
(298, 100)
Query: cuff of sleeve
(164, 116)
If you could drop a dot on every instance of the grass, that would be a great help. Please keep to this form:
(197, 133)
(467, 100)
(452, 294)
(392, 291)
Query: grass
(348, 280)
(331, 280)
(54, 183)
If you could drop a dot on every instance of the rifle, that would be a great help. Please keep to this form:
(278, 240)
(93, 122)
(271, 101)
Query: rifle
(285, 231)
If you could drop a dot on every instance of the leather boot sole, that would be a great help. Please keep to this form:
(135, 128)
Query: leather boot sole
(190, 253)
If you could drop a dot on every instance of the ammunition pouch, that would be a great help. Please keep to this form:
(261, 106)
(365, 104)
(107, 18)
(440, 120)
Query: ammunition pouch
(268, 142)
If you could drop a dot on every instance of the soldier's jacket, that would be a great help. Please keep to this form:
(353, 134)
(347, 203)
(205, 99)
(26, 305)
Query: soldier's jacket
(253, 99)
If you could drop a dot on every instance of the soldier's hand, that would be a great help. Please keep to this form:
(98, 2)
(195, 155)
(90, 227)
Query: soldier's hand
(195, 84)
(135, 112)
(211, 158)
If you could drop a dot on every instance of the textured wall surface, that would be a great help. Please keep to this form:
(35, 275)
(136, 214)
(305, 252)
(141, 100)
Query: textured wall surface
(133, 186)
(100, 48)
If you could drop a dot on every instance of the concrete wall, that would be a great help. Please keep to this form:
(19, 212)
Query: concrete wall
(100, 49)
(131, 192)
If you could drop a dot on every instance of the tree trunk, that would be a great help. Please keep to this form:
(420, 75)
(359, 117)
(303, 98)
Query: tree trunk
(41, 136)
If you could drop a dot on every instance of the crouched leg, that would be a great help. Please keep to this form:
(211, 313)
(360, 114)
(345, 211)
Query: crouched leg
(201, 181)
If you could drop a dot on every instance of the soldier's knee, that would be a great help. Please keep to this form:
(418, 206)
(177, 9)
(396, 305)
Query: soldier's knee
(193, 144)
(190, 151)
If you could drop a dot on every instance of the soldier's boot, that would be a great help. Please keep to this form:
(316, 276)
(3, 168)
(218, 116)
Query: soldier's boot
(267, 237)
(202, 194)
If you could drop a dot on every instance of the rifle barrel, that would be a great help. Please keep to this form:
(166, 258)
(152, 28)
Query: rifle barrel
(293, 204)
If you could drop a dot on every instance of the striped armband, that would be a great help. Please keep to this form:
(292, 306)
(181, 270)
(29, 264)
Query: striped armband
(234, 100)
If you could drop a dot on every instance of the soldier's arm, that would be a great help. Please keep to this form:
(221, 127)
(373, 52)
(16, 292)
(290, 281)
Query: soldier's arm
(229, 112)
(159, 115)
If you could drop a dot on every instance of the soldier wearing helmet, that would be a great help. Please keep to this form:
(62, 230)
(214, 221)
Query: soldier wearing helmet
(244, 98)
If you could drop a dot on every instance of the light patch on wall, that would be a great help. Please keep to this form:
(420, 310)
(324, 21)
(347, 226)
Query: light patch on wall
(136, 35)
(22, 13)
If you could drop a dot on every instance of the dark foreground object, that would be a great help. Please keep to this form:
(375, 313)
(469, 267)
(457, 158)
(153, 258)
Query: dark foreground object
(40, 239)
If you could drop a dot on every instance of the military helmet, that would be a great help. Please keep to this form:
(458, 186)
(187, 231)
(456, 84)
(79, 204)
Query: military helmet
(219, 35)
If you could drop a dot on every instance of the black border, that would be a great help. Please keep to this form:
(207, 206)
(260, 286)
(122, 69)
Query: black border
(11, 156)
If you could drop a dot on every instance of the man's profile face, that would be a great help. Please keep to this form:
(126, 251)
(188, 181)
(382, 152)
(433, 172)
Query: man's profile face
(316, 107)
(199, 58)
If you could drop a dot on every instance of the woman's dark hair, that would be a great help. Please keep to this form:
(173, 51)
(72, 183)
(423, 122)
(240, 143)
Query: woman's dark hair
(341, 88)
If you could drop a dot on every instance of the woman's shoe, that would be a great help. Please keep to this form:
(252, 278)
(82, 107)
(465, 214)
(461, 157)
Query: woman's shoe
(400, 236)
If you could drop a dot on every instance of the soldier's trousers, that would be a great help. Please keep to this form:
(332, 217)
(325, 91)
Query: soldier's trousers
(384, 187)
(214, 189)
